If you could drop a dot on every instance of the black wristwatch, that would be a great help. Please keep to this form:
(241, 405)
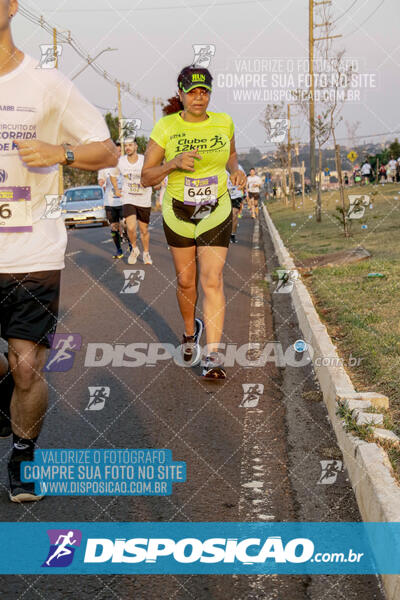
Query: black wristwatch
(68, 154)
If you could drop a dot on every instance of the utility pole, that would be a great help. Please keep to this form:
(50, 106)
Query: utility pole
(311, 42)
(60, 167)
(120, 119)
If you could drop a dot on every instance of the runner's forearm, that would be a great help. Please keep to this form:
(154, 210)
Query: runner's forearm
(94, 156)
(232, 165)
(155, 175)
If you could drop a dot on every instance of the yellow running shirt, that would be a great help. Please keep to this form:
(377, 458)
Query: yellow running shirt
(211, 137)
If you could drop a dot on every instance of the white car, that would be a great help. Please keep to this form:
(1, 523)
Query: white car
(84, 205)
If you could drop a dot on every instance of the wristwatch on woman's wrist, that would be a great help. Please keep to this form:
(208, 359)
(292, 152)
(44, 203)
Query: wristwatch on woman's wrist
(69, 156)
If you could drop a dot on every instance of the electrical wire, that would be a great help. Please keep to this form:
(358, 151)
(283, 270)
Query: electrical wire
(365, 20)
(67, 38)
(345, 12)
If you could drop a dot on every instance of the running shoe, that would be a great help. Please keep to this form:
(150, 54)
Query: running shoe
(233, 239)
(132, 258)
(147, 258)
(6, 391)
(119, 254)
(190, 344)
(213, 369)
(20, 491)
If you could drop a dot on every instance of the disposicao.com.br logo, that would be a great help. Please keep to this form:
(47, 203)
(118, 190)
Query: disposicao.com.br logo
(213, 550)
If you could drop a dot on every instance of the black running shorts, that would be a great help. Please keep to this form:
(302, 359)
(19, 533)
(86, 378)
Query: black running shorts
(237, 202)
(114, 213)
(142, 213)
(29, 305)
(254, 195)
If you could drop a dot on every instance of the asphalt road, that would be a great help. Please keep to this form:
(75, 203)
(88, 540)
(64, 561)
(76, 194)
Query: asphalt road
(246, 461)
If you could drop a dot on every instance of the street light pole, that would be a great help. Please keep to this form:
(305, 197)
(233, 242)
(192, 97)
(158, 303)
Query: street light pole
(91, 60)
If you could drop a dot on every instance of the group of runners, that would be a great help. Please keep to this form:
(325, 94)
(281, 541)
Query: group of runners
(65, 129)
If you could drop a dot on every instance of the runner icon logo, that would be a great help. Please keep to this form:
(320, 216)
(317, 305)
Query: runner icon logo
(278, 129)
(97, 397)
(129, 128)
(63, 543)
(251, 394)
(286, 279)
(329, 471)
(53, 207)
(62, 352)
(357, 204)
(203, 54)
(49, 56)
(133, 279)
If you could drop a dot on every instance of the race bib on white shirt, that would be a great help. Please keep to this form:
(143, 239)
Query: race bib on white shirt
(200, 191)
(15, 209)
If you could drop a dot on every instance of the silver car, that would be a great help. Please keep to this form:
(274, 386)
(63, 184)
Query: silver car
(84, 205)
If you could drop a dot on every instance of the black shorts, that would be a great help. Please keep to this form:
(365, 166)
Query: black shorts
(114, 214)
(217, 235)
(142, 213)
(254, 195)
(237, 202)
(29, 305)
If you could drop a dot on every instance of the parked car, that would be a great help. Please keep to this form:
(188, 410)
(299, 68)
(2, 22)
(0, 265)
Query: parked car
(84, 205)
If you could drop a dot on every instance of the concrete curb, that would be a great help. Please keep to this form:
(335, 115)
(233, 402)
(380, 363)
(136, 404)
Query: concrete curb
(376, 491)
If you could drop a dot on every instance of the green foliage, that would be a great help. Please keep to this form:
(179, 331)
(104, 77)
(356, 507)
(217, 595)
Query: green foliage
(112, 123)
(77, 177)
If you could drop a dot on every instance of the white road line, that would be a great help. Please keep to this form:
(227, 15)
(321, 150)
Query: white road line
(254, 502)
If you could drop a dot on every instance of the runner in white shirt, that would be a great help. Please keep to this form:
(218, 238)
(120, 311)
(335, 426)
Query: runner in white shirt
(366, 171)
(254, 183)
(391, 169)
(40, 111)
(236, 195)
(136, 200)
(113, 208)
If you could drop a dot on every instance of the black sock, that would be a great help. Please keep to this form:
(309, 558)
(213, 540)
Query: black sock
(117, 240)
(6, 391)
(23, 445)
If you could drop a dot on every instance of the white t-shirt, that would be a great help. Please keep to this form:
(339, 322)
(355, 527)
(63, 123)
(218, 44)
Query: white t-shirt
(392, 164)
(132, 191)
(254, 183)
(109, 198)
(37, 104)
(366, 169)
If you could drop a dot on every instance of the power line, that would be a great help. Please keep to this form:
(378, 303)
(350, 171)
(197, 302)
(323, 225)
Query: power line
(357, 137)
(66, 38)
(172, 7)
(345, 12)
(365, 20)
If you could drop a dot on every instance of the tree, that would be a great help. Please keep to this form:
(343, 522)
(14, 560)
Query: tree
(112, 123)
(394, 148)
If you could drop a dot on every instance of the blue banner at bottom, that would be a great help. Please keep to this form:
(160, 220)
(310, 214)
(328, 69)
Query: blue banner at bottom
(200, 548)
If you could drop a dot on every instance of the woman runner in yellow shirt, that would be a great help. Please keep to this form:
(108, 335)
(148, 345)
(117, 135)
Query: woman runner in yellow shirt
(194, 148)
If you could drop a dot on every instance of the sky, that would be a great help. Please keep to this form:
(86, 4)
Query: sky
(260, 48)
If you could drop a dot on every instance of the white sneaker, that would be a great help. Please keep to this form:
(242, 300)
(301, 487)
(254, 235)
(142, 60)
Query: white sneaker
(132, 258)
(147, 258)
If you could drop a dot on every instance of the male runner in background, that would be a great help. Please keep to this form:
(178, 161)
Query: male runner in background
(45, 113)
(136, 199)
(236, 195)
(113, 207)
(254, 183)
